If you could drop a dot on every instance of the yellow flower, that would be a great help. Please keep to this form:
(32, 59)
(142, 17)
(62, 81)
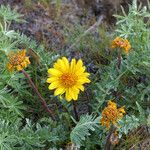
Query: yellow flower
(111, 114)
(119, 42)
(17, 60)
(67, 78)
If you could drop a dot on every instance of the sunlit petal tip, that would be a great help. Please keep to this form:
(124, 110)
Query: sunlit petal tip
(48, 80)
(68, 96)
(64, 59)
(53, 85)
(54, 72)
(65, 62)
(73, 62)
(68, 99)
(75, 98)
(50, 87)
(88, 81)
(80, 62)
(81, 88)
(86, 74)
(59, 91)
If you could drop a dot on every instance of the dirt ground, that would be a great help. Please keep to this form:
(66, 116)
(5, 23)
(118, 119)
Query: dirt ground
(45, 19)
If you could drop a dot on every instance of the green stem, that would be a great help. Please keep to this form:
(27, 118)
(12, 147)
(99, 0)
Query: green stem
(39, 95)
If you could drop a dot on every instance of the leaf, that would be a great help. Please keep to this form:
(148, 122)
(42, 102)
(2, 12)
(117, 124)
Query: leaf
(8, 15)
(81, 130)
(142, 117)
(127, 124)
(148, 120)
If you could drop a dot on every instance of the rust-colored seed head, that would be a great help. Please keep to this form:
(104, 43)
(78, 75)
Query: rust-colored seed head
(17, 60)
(111, 114)
(119, 42)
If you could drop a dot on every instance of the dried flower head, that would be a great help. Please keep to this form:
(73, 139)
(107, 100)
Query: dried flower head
(111, 115)
(17, 60)
(114, 138)
(67, 78)
(119, 42)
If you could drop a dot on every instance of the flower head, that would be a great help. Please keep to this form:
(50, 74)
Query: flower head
(67, 78)
(17, 60)
(111, 114)
(119, 42)
(114, 138)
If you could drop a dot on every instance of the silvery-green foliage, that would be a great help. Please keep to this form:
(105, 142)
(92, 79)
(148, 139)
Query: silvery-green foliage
(86, 124)
(127, 124)
(8, 14)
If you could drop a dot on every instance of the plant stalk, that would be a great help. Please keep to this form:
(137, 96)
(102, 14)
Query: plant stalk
(39, 95)
(119, 61)
(75, 110)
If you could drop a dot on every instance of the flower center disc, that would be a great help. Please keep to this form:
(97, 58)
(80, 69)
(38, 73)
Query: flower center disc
(68, 79)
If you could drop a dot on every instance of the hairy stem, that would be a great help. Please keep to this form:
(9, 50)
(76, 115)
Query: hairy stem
(39, 95)
(75, 110)
(119, 61)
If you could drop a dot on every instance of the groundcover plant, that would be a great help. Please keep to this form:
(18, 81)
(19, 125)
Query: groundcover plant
(91, 94)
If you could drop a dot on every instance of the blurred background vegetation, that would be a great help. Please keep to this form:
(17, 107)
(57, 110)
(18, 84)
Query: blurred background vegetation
(49, 29)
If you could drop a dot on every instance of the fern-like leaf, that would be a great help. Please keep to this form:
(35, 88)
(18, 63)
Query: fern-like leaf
(127, 124)
(82, 129)
(142, 116)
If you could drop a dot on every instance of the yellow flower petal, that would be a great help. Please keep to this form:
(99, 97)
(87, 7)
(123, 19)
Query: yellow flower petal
(79, 63)
(60, 65)
(66, 62)
(54, 72)
(68, 96)
(83, 80)
(59, 91)
(80, 71)
(74, 92)
(51, 79)
(72, 65)
(54, 85)
(80, 86)
(85, 74)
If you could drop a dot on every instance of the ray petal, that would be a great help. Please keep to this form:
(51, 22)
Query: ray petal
(54, 72)
(68, 96)
(51, 79)
(59, 91)
(54, 85)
